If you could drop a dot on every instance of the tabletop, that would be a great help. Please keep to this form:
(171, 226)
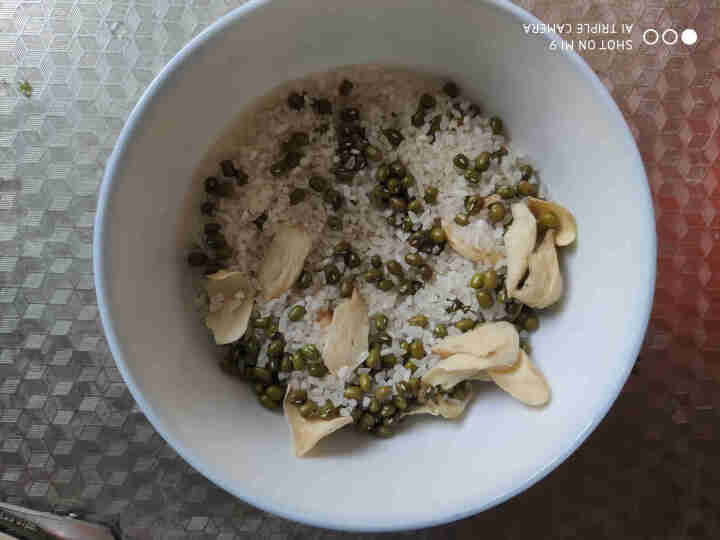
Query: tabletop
(71, 436)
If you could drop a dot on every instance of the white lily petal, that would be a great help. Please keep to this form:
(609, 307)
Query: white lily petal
(347, 336)
(523, 381)
(306, 433)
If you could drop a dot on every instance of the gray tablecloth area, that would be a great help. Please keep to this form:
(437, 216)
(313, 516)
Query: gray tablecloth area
(71, 436)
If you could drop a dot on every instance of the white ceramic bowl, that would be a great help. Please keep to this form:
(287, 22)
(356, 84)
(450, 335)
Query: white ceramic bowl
(556, 110)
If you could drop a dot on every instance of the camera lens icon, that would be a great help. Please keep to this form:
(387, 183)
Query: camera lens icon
(689, 36)
(669, 36)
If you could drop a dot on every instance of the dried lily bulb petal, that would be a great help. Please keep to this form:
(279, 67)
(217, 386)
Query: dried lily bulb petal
(523, 381)
(474, 242)
(544, 284)
(567, 230)
(447, 408)
(347, 336)
(229, 321)
(307, 432)
(461, 367)
(499, 341)
(519, 244)
(284, 260)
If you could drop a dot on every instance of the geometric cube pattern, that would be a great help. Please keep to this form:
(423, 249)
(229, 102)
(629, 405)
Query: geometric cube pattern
(71, 436)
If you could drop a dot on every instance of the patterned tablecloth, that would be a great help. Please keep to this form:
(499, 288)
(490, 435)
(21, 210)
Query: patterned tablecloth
(71, 436)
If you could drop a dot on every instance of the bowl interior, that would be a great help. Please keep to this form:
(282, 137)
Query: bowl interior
(556, 112)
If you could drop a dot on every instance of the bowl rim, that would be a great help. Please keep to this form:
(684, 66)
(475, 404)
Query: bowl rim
(101, 278)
